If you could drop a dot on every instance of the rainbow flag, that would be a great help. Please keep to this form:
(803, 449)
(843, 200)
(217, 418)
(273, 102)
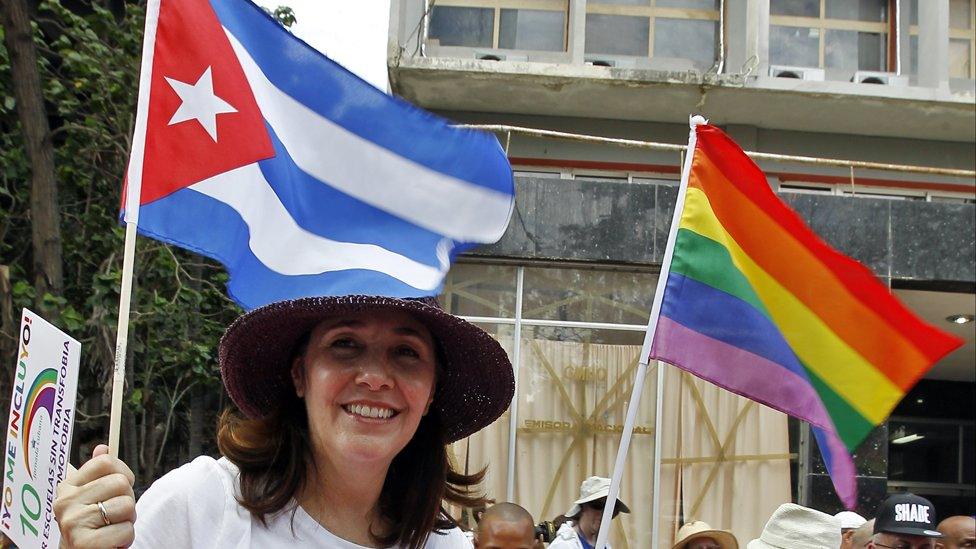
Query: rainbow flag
(756, 303)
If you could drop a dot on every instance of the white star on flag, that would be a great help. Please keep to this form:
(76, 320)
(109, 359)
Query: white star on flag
(199, 103)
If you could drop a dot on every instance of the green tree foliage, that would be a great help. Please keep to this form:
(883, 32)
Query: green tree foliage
(284, 15)
(90, 72)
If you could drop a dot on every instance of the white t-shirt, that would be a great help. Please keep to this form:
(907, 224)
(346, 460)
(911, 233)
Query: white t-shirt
(195, 507)
(567, 538)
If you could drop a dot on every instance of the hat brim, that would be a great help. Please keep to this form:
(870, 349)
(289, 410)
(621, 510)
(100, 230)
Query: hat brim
(723, 538)
(910, 531)
(475, 384)
(577, 508)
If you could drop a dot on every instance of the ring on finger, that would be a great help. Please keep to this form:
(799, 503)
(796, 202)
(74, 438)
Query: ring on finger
(104, 513)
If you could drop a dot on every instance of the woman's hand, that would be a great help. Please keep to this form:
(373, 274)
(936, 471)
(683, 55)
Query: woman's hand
(95, 506)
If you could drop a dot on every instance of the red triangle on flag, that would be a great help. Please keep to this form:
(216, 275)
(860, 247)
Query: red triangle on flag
(203, 119)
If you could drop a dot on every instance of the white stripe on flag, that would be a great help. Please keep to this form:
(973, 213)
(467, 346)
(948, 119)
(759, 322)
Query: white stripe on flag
(362, 169)
(284, 247)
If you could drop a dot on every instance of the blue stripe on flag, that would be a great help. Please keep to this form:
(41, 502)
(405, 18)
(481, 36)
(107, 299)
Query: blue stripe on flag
(323, 210)
(211, 228)
(337, 94)
(839, 464)
(727, 318)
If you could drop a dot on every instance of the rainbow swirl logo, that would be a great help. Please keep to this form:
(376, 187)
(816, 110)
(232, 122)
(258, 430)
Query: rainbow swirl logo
(39, 397)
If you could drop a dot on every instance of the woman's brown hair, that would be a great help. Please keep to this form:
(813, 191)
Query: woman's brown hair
(274, 454)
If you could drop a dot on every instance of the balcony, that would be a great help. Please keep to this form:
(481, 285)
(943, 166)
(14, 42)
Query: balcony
(634, 70)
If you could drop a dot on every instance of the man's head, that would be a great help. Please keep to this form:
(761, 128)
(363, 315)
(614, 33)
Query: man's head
(587, 511)
(958, 532)
(905, 521)
(849, 523)
(591, 517)
(862, 535)
(505, 526)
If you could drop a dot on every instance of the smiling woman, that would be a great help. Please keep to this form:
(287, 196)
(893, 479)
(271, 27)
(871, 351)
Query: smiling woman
(345, 409)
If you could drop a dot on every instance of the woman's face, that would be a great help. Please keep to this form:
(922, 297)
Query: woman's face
(367, 380)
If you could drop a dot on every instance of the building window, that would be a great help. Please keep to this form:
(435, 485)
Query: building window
(537, 25)
(962, 38)
(682, 29)
(829, 34)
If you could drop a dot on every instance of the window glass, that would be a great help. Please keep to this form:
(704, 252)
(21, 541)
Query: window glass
(617, 34)
(959, 58)
(472, 289)
(531, 30)
(796, 46)
(923, 452)
(852, 50)
(960, 14)
(857, 10)
(623, 2)
(801, 8)
(686, 38)
(460, 26)
(690, 4)
(579, 295)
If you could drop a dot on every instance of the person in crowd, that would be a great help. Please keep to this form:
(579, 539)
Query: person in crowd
(905, 521)
(505, 526)
(699, 535)
(346, 406)
(863, 535)
(585, 516)
(795, 527)
(958, 532)
(849, 523)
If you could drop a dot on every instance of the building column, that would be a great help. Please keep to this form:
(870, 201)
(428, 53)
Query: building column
(904, 60)
(933, 44)
(746, 35)
(577, 31)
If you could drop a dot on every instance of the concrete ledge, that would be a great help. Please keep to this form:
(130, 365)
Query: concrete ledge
(556, 89)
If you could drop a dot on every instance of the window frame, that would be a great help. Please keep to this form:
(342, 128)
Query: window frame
(960, 486)
(823, 24)
(967, 35)
(652, 12)
(561, 6)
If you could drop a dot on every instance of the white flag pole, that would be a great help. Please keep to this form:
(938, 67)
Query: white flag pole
(635, 395)
(133, 195)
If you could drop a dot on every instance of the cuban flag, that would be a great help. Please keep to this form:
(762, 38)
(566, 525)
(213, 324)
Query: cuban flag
(254, 149)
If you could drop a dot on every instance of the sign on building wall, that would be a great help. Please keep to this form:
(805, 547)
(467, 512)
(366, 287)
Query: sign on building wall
(42, 408)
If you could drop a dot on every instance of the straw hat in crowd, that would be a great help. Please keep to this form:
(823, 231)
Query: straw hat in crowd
(698, 529)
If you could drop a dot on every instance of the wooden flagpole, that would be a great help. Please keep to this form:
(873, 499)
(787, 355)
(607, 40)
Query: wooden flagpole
(133, 196)
(635, 395)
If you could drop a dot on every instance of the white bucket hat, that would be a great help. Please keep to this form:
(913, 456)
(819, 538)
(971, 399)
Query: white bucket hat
(592, 489)
(850, 520)
(796, 527)
(698, 529)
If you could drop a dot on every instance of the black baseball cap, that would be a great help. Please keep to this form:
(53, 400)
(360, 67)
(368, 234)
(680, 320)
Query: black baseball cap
(906, 514)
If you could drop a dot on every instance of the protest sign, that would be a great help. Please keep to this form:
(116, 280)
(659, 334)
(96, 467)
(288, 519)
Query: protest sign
(42, 408)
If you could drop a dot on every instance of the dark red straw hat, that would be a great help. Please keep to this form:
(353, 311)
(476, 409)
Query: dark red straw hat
(474, 388)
